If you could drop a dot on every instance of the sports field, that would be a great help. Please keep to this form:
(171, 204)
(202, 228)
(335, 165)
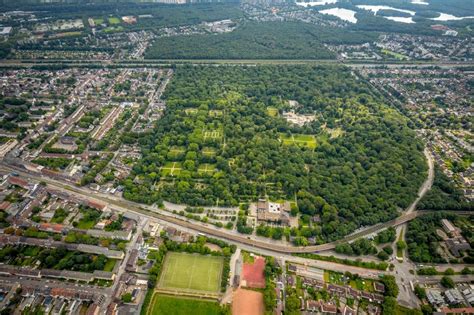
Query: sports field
(191, 272)
(308, 141)
(165, 305)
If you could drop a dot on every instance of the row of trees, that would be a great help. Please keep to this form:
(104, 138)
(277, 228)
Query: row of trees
(56, 258)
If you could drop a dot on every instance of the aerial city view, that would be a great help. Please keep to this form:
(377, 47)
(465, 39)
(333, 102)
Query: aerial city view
(245, 157)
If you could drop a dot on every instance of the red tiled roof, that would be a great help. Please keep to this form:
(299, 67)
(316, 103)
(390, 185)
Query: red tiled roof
(17, 181)
(51, 227)
(4, 205)
(96, 205)
(328, 308)
(463, 310)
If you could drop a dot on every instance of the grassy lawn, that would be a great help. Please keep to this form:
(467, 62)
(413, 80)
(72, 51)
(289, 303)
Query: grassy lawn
(212, 134)
(206, 169)
(113, 29)
(215, 113)
(400, 251)
(86, 224)
(394, 54)
(31, 251)
(152, 254)
(163, 304)
(272, 111)
(98, 21)
(307, 141)
(171, 169)
(59, 215)
(191, 111)
(208, 151)
(191, 272)
(114, 20)
(177, 149)
(333, 277)
(247, 258)
(109, 265)
(362, 284)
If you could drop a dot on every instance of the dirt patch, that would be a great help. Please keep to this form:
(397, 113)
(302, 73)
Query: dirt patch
(247, 302)
(252, 273)
(213, 247)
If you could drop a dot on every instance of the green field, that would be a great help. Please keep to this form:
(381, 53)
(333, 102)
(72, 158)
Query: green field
(164, 304)
(191, 111)
(109, 265)
(98, 21)
(171, 169)
(191, 272)
(215, 113)
(206, 169)
(272, 111)
(307, 141)
(86, 224)
(114, 20)
(175, 152)
(394, 54)
(212, 134)
(208, 151)
(113, 29)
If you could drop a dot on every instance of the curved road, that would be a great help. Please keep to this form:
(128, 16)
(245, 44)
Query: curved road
(125, 205)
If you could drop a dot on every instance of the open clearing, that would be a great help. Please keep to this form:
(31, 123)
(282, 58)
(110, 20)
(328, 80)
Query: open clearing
(212, 134)
(191, 272)
(164, 304)
(247, 302)
(191, 111)
(272, 111)
(215, 113)
(206, 169)
(307, 141)
(114, 20)
(171, 169)
(208, 151)
(98, 21)
(176, 151)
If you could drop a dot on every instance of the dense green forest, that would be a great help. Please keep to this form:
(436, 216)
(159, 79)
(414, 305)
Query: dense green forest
(356, 164)
(253, 40)
(444, 195)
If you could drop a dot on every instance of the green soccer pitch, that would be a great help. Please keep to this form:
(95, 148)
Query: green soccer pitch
(191, 272)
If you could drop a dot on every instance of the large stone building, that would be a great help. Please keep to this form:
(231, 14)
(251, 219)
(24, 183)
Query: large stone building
(278, 213)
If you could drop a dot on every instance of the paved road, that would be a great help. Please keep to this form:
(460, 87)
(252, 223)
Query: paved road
(211, 230)
(123, 263)
(402, 269)
(169, 62)
(427, 183)
(46, 283)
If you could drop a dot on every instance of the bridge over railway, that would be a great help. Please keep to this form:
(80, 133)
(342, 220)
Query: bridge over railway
(12, 165)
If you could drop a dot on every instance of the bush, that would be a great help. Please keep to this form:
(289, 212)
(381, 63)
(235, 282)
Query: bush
(447, 282)
(388, 250)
